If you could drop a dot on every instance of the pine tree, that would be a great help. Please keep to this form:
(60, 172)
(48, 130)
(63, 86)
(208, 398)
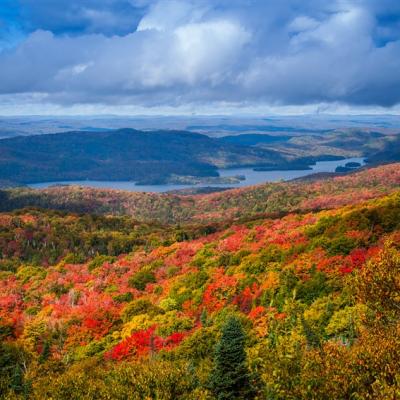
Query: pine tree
(203, 318)
(312, 337)
(230, 378)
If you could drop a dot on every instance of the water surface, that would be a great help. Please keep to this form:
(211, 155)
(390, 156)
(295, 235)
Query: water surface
(252, 178)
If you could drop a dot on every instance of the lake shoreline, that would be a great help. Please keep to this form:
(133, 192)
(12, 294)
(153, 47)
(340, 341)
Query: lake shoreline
(252, 177)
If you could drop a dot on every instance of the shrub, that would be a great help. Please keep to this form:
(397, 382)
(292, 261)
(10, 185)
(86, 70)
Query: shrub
(140, 280)
(140, 306)
(99, 260)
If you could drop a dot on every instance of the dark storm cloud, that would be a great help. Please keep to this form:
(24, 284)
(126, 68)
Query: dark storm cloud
(173, 52)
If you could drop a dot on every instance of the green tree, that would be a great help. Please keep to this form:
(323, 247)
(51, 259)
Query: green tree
(230, 378)
(141, 279)
(204, 318)
(378, 284)
(312, 337)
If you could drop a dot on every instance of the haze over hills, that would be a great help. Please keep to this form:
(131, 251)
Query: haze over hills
(209, 125)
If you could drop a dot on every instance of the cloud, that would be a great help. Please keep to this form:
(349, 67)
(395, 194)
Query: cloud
(75, 17)
(173, 53)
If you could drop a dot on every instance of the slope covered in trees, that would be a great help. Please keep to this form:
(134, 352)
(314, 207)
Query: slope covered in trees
(376, 146)
(124, 154)
(46, 237)
(276, 198)
(307, 303)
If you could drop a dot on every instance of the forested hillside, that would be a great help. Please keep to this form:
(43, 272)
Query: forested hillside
(369, 143)
(390, 153)
(300, 304)
(248, 202)
(124, 154)
(160, 156)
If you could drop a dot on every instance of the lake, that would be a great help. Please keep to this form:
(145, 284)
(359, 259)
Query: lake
(252, 178)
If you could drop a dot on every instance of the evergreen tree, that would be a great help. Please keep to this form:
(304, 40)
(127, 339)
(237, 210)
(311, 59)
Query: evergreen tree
(312, 337)
(203, 318)
(45, 352)
(230, 377)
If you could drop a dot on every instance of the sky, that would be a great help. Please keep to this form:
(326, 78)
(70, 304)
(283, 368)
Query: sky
(199, 56)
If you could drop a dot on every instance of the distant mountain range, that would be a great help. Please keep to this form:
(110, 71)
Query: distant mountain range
(214, 126)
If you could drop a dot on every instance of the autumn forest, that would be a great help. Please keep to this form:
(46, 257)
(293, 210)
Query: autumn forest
(278, 291)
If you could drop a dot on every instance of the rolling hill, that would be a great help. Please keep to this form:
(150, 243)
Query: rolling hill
(247, 202)
(124, 154)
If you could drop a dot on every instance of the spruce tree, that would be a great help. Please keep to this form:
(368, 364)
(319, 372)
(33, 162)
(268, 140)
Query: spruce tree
(230, 377)
(203, 318)
(312, 337)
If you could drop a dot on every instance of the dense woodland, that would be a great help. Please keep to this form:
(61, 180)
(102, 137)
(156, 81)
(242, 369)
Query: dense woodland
(375, 145)
(155, 157)
(300, 304)
(124, 154)
(248, 202)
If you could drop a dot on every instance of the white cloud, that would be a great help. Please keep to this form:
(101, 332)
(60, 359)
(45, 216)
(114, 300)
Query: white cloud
(302, 23)
(167, 15)
(195, 54)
